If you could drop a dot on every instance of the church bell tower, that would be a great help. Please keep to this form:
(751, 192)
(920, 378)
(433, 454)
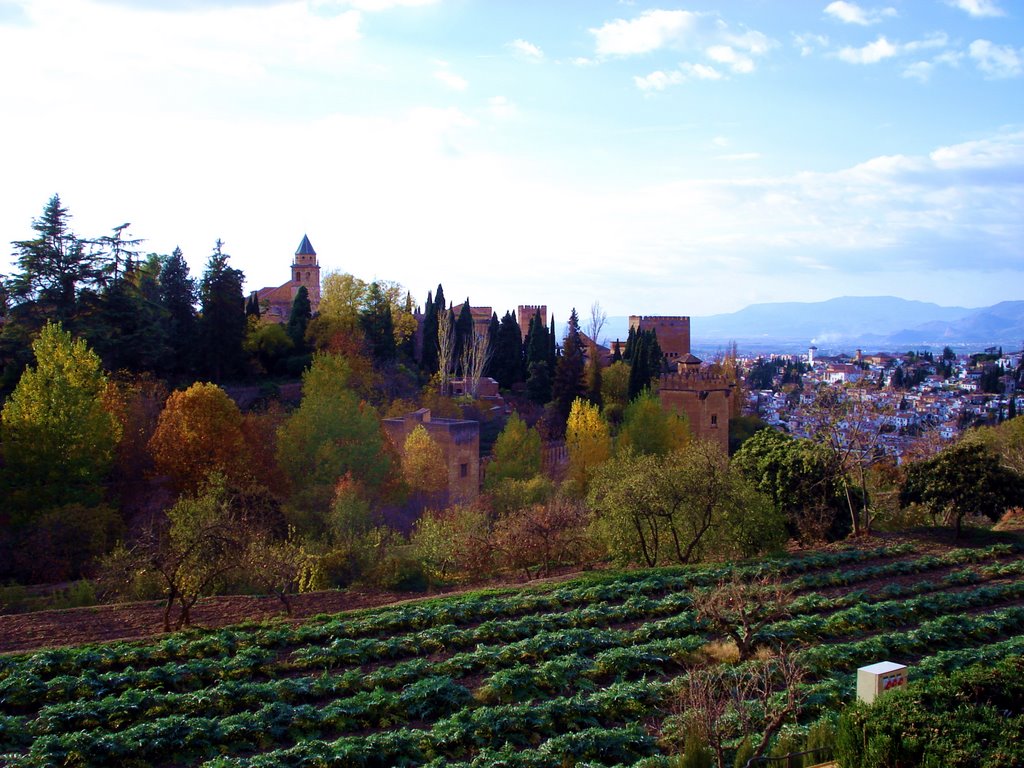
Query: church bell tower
(306, 271)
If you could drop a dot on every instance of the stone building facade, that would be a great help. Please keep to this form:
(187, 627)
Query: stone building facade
(459, 440)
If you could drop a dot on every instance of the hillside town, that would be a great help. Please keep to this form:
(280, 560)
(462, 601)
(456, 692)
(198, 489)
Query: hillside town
(915, 402)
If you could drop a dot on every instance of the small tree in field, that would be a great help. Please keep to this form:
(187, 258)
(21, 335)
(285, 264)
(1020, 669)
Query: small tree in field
(542, 536)
(741, 609)
(722, 704)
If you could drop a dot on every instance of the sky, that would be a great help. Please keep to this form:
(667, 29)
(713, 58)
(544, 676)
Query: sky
(658, 158)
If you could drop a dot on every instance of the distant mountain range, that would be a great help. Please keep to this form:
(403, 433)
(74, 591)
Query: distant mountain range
(871, 323)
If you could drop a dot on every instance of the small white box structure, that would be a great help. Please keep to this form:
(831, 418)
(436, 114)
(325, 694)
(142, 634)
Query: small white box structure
(874, 680)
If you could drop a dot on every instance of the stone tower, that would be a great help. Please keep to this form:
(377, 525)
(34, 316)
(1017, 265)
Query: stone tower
(306, 271)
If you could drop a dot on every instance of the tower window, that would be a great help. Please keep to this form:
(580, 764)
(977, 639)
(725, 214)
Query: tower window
(714, 419)
(298, 276)
(464, 470)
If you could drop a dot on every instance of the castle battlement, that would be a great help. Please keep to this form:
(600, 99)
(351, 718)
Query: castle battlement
(694, 381)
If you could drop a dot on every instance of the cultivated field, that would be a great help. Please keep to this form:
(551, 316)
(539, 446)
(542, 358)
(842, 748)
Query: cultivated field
(579, 672)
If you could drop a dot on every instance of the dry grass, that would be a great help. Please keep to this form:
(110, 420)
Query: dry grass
(721, 651)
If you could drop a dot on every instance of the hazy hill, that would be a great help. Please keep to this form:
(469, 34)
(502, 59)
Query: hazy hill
(868, 322)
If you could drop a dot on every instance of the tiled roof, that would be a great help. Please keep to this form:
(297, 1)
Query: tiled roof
(305, 248)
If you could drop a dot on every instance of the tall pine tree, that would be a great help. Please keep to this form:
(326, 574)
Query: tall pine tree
(178, 296)
(222, 324)
(568, 383)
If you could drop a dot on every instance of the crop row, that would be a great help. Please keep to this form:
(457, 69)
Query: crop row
(618, 652)
(278, 722)
(28, 692)
(463, 729)
(413, 617)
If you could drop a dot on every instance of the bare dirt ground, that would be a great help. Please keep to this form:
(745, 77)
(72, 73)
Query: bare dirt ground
(136, 621)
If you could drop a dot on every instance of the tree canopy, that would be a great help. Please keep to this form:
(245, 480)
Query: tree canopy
(56, 433)
(964, 480)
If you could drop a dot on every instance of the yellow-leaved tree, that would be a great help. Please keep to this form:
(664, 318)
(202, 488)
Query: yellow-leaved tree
(423, 465)
(57, 435)
(589, 444)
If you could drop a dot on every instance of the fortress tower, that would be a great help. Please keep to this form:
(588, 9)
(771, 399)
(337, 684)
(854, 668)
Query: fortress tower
(526, 313)
(673, 333)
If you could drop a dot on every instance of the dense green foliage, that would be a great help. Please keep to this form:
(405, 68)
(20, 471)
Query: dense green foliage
(581, 671)
(914, 726)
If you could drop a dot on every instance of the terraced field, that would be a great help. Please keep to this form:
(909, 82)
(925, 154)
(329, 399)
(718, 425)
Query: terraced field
(580, 672)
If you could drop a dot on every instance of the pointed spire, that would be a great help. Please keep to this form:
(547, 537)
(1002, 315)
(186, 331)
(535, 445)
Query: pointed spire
(305, 248)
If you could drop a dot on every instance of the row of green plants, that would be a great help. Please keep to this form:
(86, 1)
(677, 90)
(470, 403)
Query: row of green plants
(240, 702)
(524, 679)
(191, 676)
(414, 616)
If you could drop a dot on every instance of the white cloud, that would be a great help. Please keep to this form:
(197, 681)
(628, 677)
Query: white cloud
(978, 8)
(501, 108)
(724, 54)
(997, 61)
(660, 80)
(851, 13)
(527, 49)
(871, 53)
(882, 49)
(648, 32)
(809, 42)
(720, 141)
(450, 79)
(919, 70)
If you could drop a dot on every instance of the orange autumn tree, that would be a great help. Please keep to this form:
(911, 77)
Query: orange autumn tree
(199, 432)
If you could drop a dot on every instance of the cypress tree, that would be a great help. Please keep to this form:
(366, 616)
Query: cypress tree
(428, 340)
(178, 297)
(627, 354)
(655, 357)
(639, 368)
(537, 341)
(252, 306)
(298, 319)
(568, 381)
(507, 363)
(552, 345)
(592, 375)
(493, 332)
(463, 332)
